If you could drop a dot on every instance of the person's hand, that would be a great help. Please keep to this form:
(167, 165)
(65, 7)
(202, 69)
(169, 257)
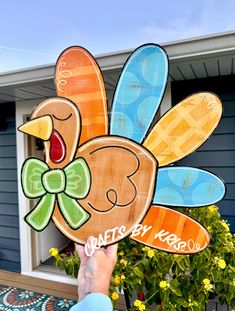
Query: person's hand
(95, 271)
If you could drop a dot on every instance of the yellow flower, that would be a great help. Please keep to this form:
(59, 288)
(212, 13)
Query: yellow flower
(221, 264)
(117, 280)
(212, 208)
(139, 305)
(114, 296)
(145, 249)
(54, 252)
(207, 285)
(123, 277)
(124, 262)
(190, 303)
(225, 225)
(206, 282)
(121, 253)
(164, 285)
(150, 253)
(209, 228)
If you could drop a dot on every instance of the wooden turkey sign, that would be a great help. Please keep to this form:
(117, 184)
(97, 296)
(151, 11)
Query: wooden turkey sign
(111, 178)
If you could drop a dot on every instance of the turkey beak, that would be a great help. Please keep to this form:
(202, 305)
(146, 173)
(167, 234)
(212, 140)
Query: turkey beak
(41, 127)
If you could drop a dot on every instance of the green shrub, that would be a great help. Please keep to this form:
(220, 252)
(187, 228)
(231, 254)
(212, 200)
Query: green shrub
(174, 282)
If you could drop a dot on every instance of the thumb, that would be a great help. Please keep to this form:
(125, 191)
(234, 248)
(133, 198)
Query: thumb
(111, 250)
(81, 252)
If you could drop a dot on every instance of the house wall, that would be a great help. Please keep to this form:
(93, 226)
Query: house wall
(218, 153)
(9, 214)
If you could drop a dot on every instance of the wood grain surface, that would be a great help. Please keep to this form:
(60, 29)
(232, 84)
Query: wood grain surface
(172, 231)
(123, 180)
(184, 128)
(78, 78)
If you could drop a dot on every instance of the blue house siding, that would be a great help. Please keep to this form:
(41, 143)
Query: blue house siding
(218, 153)
(9, 219)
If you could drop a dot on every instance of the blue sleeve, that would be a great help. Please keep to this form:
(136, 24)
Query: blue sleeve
(94, 302)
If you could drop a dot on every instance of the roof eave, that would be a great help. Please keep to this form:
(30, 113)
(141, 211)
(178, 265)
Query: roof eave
(202, 46)
(205, 46)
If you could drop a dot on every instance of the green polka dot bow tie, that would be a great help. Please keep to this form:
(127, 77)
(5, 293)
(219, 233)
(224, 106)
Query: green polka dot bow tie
(63, 186)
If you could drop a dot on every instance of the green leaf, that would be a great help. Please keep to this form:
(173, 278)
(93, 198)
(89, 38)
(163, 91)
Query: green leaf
(145, 263)
(231, 294)
(176, 291)
(180, 301)
(201, 297)
(138, 272)
(180, 263)
(185, 304)
(214, 274)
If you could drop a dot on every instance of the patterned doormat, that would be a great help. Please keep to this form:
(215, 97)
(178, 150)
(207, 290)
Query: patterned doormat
(18, 299)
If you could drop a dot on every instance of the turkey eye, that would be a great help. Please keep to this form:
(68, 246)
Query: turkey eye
(62, 119)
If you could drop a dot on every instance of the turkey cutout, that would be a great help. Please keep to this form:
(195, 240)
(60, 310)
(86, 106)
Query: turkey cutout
(110, 181)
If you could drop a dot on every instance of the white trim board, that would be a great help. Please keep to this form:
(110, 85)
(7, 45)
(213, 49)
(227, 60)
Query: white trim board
(51, 277)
